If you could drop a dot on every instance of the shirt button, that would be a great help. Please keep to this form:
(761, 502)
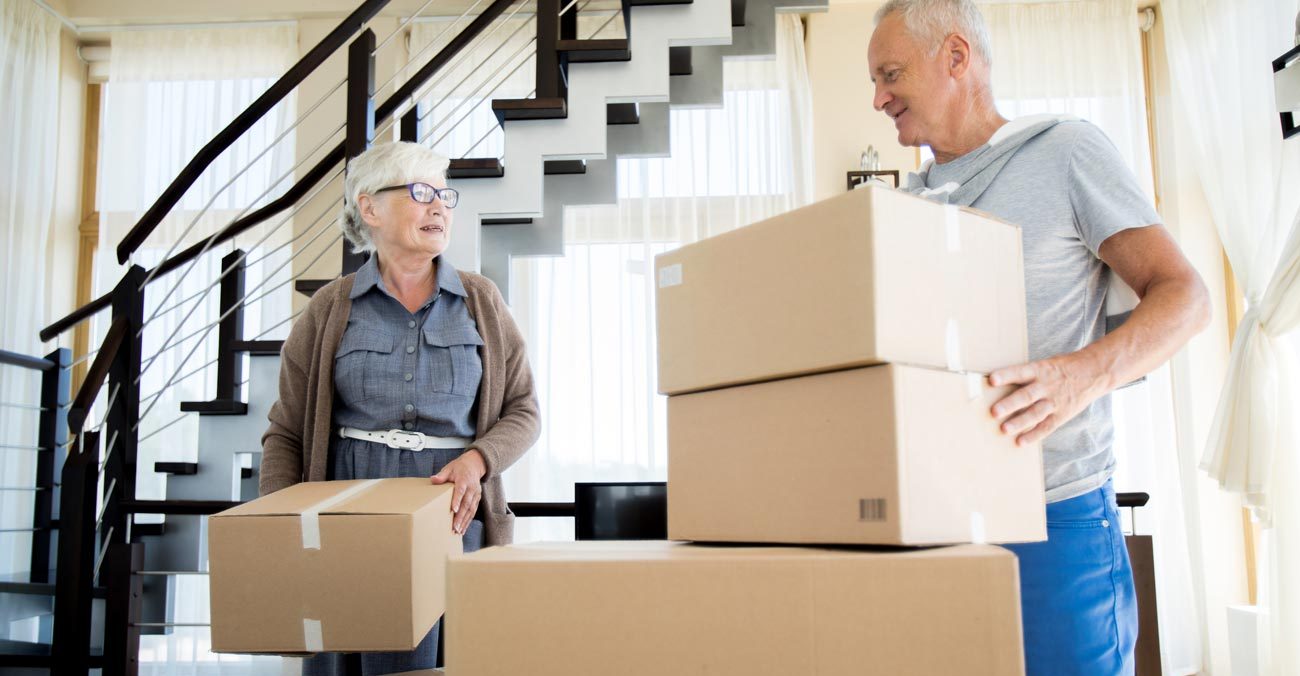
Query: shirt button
(408, 377)
(409, 408)
(407, 425)
(1105, 523)
(410, 324)
(410, 349)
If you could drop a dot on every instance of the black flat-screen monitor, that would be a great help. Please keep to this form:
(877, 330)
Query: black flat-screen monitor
(621, 511)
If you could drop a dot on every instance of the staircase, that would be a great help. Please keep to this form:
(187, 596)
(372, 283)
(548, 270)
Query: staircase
(596, 100)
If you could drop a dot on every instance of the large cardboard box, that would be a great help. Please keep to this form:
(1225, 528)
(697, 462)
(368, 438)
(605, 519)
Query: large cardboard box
(869, 277)
(891, 455)
(652, 608)
(331, 566)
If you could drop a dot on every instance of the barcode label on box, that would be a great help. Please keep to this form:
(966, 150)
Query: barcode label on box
(670, 275)
(871, 509)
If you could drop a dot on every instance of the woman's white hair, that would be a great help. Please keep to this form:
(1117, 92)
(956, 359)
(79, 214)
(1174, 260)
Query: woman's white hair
(381, 166)
(932, 21)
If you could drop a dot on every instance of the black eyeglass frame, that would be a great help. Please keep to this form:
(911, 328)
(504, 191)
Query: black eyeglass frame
(440, 193)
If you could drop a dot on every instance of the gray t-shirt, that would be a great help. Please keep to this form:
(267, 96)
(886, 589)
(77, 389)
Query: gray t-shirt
(1068, 190)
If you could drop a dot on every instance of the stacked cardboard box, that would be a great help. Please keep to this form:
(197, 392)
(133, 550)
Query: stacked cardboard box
(825, 372)
(331, 566)
(825, 377)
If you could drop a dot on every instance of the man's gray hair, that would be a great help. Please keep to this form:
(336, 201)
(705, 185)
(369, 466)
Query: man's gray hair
(381, 166)
(932, 21)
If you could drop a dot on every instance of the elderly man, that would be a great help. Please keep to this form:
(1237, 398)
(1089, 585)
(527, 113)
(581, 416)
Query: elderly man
(1082, 215)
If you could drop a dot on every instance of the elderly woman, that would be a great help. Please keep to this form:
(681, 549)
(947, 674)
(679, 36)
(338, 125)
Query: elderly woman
(406, 368)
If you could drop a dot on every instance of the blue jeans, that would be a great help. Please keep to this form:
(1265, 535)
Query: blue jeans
(1077, 600)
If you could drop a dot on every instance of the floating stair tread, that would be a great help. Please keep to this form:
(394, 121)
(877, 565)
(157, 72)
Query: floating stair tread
(476, 167)
(215, 407)
(595, 51)
(264, 348)
(549, 108)
(178, 468)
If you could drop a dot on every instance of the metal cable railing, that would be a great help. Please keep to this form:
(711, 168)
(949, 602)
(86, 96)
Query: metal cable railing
(425, 89)
(234, 308)
(415, 58)
(172, 341)
(211, 239)
(169, 344)
(181, 379)
(213, 199)
(400, 26)
(495, 87)
(488, 59)
(302, 204)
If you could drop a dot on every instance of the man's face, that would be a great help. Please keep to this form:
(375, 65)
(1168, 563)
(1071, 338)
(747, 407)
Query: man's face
(912, 87)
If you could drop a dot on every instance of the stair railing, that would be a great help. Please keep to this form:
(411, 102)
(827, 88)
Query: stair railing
(97, 551)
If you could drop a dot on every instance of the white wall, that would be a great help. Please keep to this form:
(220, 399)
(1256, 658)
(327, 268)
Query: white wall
(844, 123)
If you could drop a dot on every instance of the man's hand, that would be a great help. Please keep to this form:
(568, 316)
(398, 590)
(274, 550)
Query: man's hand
(1052, 391)
(466, 472)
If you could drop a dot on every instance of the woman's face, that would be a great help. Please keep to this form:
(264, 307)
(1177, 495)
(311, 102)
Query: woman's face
(399, 225)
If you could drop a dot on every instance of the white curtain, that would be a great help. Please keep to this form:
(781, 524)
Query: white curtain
(29, 80)
(1084, 58)
(588, 317)
(1220, 52)
(1081, 58)
(169, 93)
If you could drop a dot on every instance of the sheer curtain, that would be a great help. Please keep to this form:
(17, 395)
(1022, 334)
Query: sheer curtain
(588, 317)
(1084, 58)
(29, 81)
(169, 92)
(1219, 52)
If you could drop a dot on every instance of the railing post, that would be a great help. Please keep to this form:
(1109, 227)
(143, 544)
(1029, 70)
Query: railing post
(410, 130)
(52, 434)
(360, 116)
(550, 76)
(123, 416)
(230, 366)
(122, 610)
(74, 584)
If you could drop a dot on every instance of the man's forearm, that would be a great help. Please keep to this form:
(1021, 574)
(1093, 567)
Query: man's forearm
(1169, 314)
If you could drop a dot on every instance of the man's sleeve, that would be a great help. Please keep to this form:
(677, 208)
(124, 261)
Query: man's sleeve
(1104, 194)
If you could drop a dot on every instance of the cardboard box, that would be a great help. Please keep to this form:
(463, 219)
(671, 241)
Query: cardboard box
(652, 608)
(869, 277)
(331, 566)
(889, 455)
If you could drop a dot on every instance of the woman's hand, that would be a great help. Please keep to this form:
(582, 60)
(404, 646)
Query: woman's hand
(466, 472)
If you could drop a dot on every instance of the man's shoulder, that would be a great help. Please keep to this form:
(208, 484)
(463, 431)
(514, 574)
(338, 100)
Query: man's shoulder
(1066, 133)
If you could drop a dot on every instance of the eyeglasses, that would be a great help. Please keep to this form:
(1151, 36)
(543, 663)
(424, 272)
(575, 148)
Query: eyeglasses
(424, 193)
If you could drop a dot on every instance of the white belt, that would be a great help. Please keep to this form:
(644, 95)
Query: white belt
(411, 441)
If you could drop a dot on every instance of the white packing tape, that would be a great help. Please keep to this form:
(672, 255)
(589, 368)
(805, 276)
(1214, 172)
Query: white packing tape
(670, 275)
(977, 536)
(974, 386)
(312, 639)
(952, 227)
(311, 515)
(952, 345)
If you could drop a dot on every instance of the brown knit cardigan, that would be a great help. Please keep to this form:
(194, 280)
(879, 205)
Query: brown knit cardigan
(295, 447)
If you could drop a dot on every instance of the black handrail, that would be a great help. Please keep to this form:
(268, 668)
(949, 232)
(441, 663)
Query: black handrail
(25, 361)
(97, 374)
(243, 122)
(307, 182)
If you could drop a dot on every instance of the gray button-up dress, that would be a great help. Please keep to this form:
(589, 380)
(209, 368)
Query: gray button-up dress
(395, 369)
